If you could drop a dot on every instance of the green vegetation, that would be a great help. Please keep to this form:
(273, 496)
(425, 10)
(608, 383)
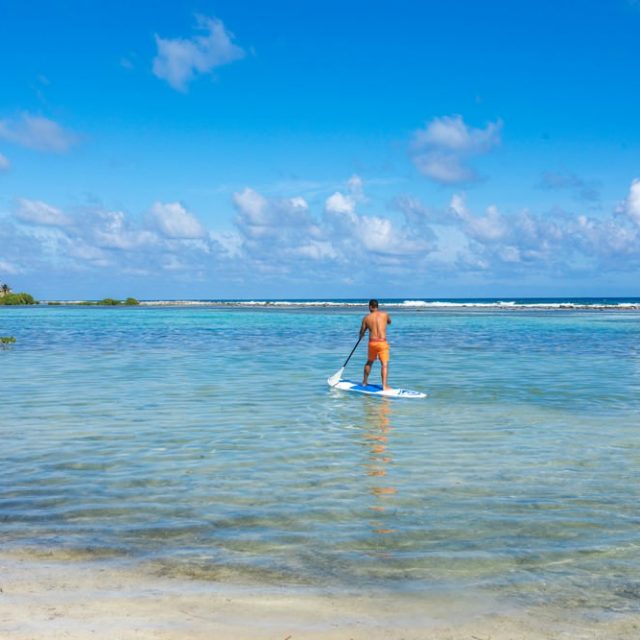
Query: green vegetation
(5, 341)
(111, 302)
(7, 297)
(17, 298)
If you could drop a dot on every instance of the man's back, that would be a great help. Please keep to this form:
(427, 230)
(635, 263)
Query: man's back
(377, 322)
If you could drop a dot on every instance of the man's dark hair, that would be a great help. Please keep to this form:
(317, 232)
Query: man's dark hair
(373, 304)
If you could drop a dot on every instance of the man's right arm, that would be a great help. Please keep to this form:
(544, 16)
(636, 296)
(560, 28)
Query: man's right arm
(363, 328)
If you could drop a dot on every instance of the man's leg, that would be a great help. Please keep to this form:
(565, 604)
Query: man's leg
(384, 364)
(367, 371)
(384, 369)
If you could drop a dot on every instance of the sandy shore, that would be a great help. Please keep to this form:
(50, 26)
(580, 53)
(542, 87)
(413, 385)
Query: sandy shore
(47, 599)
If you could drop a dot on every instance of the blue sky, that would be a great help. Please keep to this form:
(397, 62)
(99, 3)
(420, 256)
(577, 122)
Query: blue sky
(335, 149)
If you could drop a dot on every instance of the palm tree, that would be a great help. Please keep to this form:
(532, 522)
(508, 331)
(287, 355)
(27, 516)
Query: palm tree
(5, 288)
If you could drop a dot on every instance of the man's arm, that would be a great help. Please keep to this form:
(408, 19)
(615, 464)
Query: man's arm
(363, 328)
(388, 319)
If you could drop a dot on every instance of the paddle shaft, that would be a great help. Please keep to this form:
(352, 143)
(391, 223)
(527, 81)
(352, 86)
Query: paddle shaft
(352, 352)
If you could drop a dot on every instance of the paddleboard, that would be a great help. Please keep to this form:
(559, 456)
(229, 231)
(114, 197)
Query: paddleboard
(375, 390)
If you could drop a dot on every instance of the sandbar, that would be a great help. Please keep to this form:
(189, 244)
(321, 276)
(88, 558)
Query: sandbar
(47, 599)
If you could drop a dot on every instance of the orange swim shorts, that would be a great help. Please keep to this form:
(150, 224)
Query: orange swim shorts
(378, 349)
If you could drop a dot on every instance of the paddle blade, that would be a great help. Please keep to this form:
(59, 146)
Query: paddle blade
(335, 378)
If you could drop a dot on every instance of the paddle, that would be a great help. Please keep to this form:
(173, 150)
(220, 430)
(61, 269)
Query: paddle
(335, 378)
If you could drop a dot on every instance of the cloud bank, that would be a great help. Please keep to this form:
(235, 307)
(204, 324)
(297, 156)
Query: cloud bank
(339, 239)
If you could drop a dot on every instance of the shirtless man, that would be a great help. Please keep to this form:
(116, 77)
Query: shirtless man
(376, 322)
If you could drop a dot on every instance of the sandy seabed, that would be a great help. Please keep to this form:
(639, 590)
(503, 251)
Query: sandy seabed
(47, 599)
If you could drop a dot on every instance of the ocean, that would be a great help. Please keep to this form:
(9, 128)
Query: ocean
(200, 439)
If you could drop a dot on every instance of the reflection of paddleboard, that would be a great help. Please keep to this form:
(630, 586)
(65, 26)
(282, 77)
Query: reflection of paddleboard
(375, 390)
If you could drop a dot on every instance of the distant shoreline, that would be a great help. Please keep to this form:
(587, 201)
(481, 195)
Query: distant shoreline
(506, 304)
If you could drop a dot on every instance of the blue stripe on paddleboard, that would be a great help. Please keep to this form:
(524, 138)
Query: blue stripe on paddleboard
(373, 388)
(376, 390)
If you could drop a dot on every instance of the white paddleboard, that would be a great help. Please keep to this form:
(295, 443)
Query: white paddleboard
(375, 390)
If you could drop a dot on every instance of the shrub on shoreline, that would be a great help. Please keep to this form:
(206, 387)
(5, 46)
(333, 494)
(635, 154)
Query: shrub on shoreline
(105, 302)
(17, 298)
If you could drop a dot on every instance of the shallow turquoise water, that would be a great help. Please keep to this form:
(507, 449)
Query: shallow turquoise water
(207, 441)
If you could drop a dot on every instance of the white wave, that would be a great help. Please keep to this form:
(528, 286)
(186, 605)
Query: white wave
(448, 304)
(579, 305)
(405, 304)
(175, 303)
(253, 303)
(296, 303)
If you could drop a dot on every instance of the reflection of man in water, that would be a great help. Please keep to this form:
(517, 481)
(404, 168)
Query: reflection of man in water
(376, 323)
(377, 433)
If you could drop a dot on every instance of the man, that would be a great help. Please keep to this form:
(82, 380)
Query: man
(376, 323)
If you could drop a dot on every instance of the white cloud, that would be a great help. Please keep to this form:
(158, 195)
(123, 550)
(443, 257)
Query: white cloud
(299, 201)
(36, 132)
(631, 206)
(442, 149)
(459, 207)
(179, 60)
(443, 167)
(5, 165)
(254, 219)
(277, 221)
(340, 203)
(378, 234)
(346, 203)
(174, 221)
(452, 134)
(9, 268)
(40, 213)
(252, 205)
